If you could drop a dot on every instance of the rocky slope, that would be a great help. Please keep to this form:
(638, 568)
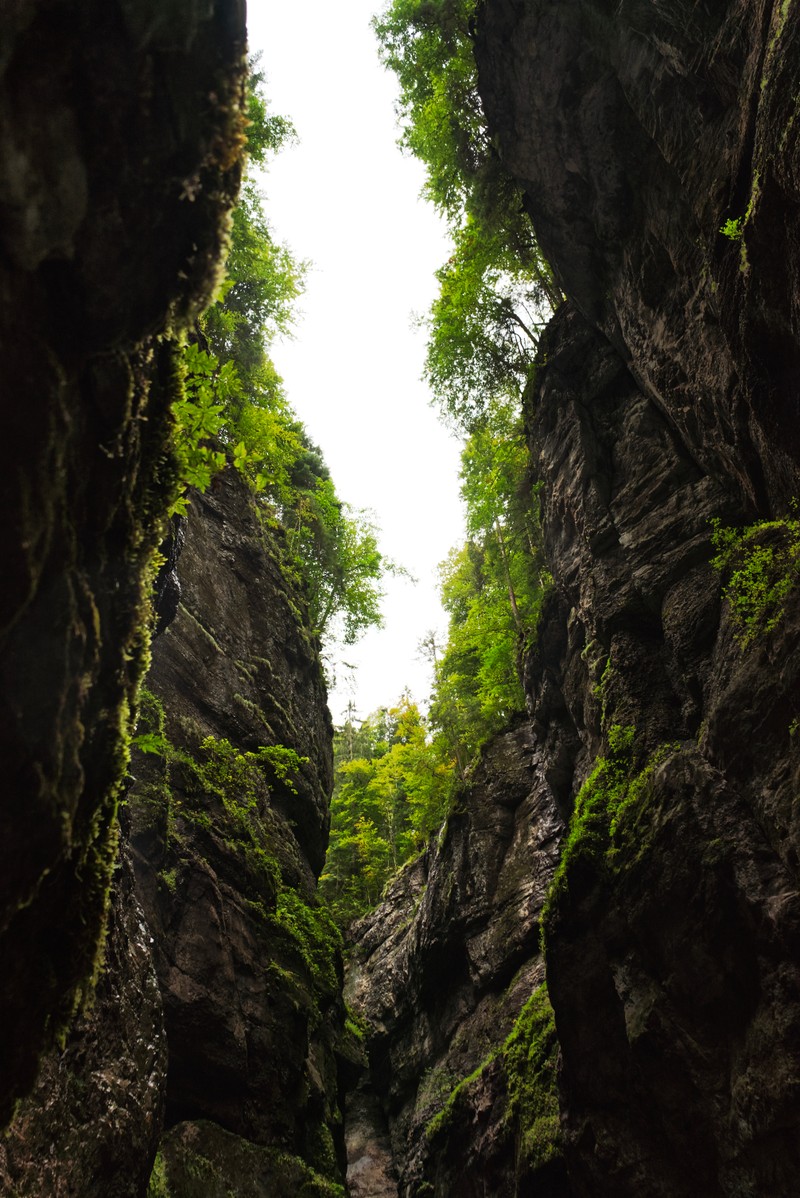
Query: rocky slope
(112, 118)
(663, 713)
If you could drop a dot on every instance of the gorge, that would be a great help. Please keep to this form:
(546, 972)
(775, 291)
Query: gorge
(587, 983)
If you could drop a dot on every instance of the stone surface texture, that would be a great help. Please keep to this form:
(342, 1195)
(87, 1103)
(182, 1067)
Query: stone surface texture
(251, 988)
(442, 968)
(120, 139)
(666, 396)
(216, 1045)
(91, 1125)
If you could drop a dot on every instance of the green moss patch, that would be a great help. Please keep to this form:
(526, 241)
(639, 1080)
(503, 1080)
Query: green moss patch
(760, 566)
(530, 1059)
(527, 1063)
(201, 1160)
(606, 825)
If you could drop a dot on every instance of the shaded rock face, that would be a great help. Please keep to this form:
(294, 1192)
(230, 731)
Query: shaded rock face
(218, 957)
(666, 396)
(120, 127)
(443, 967)
(636, 132)
(237, 661)
(91, 1125)
(673, 973)
(370, 1164)
(226, 851)
(200, 1160)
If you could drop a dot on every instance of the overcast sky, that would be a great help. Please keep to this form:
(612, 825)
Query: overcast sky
(348, 200)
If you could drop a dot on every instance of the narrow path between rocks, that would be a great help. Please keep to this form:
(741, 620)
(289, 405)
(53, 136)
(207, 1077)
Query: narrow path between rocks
(369, 1155)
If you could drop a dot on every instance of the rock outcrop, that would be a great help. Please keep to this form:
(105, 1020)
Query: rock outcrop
(211, 1058)
(91, 1126)
(666, 398)
(120, 138)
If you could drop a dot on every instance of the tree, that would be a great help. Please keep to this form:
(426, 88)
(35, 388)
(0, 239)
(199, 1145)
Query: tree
(483, 327)
(385, 805)
(492, 586)
(494, 289)
(234, 407)
(264, 280)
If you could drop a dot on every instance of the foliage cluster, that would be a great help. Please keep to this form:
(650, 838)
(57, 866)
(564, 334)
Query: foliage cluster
(233, 407)
(492, 588)
(761, 566)
(483, 330)
(396, 776)
(392, 789)
(314, 935)
(483, 326)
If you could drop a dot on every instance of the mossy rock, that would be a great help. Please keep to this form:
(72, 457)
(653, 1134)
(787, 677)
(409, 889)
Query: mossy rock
(201, 1160)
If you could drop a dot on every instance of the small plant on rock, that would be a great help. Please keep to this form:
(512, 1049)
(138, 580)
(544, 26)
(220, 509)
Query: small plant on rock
(761, 566)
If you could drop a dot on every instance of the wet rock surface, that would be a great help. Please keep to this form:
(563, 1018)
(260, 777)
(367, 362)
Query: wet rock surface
(370, 1165)
(91, 1125)
(636, 132)
(216, 1042)
(672, 957)
(202, 1160)
(665, 398)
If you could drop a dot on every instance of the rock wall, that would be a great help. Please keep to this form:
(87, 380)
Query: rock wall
(227, 843)
(212, 1061)
(663, 730)
(441, 972)
(91, 1125)
(120, 134)
(666, 396)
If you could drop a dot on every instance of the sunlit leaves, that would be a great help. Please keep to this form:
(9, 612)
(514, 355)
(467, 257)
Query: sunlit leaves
(492, 587)
(427, 44)
(233, 407)
(385, 804)
(496, 288)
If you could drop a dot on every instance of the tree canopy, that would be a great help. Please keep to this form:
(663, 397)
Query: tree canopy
(496, 286)
(391, 791)
(234, 407)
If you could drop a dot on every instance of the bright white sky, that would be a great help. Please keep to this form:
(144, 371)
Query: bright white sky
(347, 199)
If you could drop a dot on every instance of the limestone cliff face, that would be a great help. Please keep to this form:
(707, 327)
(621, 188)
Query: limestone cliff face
(91, 1125)
(120, 126)
(441, 972)
(636, 132)
(665, 397)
